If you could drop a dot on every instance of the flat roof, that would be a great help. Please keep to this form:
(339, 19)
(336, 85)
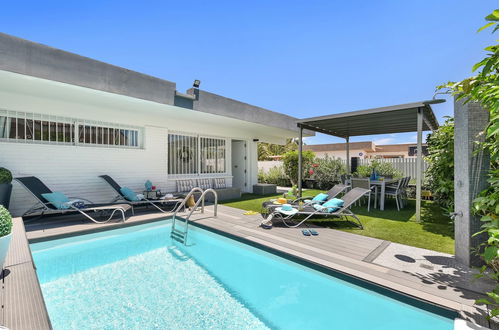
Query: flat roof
(392, 119)
(37, 60)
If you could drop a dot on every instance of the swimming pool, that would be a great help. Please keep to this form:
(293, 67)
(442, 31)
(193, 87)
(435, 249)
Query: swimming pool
(137, 277)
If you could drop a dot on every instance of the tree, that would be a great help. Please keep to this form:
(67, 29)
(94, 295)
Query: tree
(290, 160)
(484, 88)
(265, 150)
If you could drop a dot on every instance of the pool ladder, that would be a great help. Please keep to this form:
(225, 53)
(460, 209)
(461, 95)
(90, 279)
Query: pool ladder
(181, 235)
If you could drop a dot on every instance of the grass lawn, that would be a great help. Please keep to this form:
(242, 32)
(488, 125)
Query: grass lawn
(435, 232)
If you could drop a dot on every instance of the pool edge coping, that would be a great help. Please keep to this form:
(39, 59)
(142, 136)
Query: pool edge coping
(458, 308)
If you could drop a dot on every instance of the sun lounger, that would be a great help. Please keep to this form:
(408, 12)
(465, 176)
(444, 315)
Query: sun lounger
(138, 202)
(310, 211)
(43, 206)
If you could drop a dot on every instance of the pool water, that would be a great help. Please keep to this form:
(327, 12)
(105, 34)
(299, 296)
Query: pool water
(138, 278)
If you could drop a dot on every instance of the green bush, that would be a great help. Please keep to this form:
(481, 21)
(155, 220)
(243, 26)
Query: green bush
(440, 173)
(363, 171)
(382, 168)
(327, 171)
(275, 175)
(5, 175)
(5, 221)
(290, 161)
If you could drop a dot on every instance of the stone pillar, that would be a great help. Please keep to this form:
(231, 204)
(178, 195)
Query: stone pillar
(470, 175)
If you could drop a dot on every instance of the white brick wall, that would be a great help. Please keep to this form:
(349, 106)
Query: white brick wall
(74, 170)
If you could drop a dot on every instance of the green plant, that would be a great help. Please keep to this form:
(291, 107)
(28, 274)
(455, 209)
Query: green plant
(266, 150)
(275, 175)
(363, 171)
(382, 168)
(440, 173)
(5, 222)
(327, 171)
(290, 162)
(5, 175)
(484, 89)
(261, 175)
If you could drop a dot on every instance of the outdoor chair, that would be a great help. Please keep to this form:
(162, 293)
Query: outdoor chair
(310, 211)
(396, 191)
(142, 201)
(37, 188)
(365, 184)
(331, 193)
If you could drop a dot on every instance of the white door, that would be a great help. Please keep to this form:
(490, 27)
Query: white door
(239, 164)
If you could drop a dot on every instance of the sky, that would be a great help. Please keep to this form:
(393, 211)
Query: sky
(301, 58)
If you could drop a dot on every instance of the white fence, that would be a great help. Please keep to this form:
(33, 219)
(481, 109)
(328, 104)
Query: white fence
(266, 165)
(406, 165)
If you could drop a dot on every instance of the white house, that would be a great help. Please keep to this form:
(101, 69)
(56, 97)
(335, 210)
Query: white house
(67, 119)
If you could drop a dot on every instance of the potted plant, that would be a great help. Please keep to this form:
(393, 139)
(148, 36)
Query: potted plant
(5, 187)
(5, 233)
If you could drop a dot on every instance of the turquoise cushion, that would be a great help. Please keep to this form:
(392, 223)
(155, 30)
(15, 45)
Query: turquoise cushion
(320, 198)
(129, 194)
(333, 204)
(58, 199)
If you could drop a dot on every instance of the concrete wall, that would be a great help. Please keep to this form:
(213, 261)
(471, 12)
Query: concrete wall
(223, 106)
(26, 57)
(470, 175)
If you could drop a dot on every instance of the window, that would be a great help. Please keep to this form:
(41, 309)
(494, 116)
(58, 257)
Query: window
(89, 133)
(183, 154)
(212, 155)
(29, 127)
(189, 154)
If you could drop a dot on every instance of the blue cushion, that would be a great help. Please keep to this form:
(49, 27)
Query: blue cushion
(320, 197)
(333, 204)
(129, 194)
(58, 199)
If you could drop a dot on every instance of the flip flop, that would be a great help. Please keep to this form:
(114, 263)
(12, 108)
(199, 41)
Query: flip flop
(313, 232)
(305, 232)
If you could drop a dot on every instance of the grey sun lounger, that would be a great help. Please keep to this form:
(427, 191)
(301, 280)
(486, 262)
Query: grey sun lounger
(331, 193)
(143, 202)
(309, 211)
(36, 187)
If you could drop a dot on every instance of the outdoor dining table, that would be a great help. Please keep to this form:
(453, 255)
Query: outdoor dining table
(380, 186)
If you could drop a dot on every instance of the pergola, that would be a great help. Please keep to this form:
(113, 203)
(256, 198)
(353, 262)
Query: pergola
(410, 117)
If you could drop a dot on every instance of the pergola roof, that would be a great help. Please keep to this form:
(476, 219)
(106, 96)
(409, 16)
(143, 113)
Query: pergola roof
(392, 119)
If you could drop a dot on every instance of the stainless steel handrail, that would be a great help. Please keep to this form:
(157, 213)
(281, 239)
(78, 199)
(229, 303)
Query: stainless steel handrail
(199, 201)
(181, 206)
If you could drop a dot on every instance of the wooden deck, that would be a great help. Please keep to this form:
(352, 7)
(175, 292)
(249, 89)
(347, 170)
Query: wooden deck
(355, 255)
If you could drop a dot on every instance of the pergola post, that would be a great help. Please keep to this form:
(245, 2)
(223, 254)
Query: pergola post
(348, 153)
(419, 163)
(300, 160)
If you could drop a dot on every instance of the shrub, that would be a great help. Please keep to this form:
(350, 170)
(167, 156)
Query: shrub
(261, 175)
(382, 168)
(290, 160)
(5, 175)
(327, 171)
(275, 175)
(5, 221)
(363, 171)
(440, 173)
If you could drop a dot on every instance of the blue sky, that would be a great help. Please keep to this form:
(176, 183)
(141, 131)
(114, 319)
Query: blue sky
(302, 58)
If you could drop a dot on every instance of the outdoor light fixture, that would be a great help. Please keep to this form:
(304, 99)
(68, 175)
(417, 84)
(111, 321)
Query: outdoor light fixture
(196, 83)
(256, 140)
